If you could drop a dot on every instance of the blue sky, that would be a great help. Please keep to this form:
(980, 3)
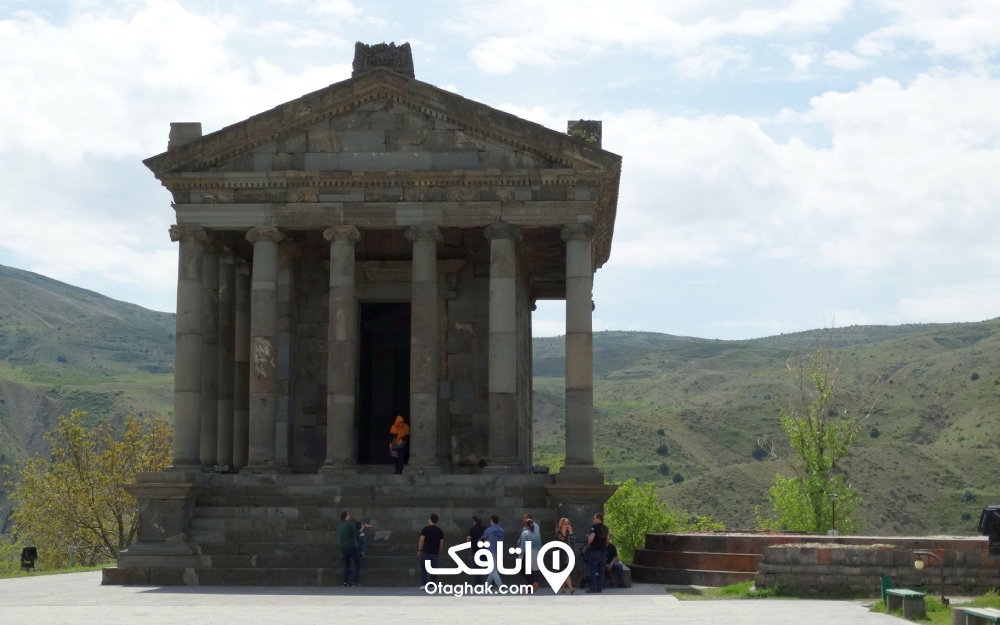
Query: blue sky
(787, 164)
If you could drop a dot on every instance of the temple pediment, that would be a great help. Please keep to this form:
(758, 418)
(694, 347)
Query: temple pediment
(383, 149)
(382, 112)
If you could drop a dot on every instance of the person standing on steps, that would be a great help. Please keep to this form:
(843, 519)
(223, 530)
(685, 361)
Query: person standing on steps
(494, 539)
(399, 443)
(564, 534)
(475, 535)
(597, 552)
(429, 548)
(530, 536)
(362, 539)
(348, 534)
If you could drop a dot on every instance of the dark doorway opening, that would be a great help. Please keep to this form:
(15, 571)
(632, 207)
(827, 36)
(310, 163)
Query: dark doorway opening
(384, 378)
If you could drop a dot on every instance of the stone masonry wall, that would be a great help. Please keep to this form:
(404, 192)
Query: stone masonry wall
(831, 568)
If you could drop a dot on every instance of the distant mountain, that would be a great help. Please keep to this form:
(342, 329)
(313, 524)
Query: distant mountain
(683, 412)
(63, 347)
(687, 413)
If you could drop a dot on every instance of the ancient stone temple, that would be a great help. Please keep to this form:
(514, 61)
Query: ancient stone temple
(371, 249)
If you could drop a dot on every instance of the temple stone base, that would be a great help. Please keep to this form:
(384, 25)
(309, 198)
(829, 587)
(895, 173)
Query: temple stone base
(281, 530)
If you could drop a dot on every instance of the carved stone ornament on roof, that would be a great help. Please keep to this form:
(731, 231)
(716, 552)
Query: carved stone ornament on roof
(388, 55)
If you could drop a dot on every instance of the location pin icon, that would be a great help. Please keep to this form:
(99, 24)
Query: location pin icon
(563, 554)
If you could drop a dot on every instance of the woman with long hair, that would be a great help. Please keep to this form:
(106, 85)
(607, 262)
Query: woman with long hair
(564, 534)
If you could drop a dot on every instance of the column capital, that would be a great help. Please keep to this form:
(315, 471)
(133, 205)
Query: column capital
(502, 230)
(264, 233)
(187, 233)
(424, 233)
(342, 233)
(583, 231)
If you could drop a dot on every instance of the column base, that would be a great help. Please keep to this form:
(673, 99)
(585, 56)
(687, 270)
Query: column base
(427, 468)
(501, 466)
(580, 474)
(264, 469)
(185, 467)
(339, 468)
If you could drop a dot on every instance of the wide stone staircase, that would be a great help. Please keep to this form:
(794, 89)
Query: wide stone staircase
(285, 533)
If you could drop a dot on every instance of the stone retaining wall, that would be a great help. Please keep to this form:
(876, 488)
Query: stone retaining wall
(825, 567)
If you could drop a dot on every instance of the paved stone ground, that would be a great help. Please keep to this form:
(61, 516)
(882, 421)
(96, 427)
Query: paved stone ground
(79, 598)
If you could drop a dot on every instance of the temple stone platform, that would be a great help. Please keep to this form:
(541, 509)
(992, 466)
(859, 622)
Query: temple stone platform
(281, 530)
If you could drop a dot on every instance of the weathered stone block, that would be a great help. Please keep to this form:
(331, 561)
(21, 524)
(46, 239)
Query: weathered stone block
(324, 161)
(322, 141)
(292, 143)
(362, 140)
(455, 160)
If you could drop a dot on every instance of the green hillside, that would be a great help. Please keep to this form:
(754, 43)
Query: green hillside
(668, 408)
(63, 347)
(683, 412)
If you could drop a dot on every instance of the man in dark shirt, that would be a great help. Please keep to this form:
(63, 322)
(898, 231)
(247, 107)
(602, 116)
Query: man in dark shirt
(613, 565)
(429, 548)
(348, 534)
(597, 550)
(476, 535)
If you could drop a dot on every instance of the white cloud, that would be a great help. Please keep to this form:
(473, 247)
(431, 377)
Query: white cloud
(905, 183)
(844, 60)
(966, 29)
(696, 33)
(801, 61)
(106, 85)
(969, 302)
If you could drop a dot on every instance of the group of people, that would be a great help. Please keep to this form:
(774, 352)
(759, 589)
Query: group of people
(601, 555)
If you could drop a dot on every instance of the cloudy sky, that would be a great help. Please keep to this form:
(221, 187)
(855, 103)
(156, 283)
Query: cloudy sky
(788, 164)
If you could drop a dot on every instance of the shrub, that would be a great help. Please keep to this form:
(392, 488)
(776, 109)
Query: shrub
(664, 469)
(678, 478)
(974, 376)
(662, 450)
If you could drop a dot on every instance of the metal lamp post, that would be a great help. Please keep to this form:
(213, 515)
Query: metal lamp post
(919, 564)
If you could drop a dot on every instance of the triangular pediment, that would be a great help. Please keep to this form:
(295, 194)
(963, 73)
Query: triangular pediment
(382, 136)
(382, 120)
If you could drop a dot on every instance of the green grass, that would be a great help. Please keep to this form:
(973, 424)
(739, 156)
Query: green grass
(937, 612)
(76, 569)
(742, 591)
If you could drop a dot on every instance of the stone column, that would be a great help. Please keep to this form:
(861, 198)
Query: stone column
(288, 251)
(187, 348)
(241, 382)
(342, 354)
(579, 354)
(502, 348)
(210, 352)
(424, 350)
(227, 362)
(263, 348)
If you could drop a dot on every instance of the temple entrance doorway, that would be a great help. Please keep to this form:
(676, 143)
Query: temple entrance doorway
(384, 377)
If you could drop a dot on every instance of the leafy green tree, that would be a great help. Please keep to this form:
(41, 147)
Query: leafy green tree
(820, 433)
(10, 556)
(77, 496)
(634, 511)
